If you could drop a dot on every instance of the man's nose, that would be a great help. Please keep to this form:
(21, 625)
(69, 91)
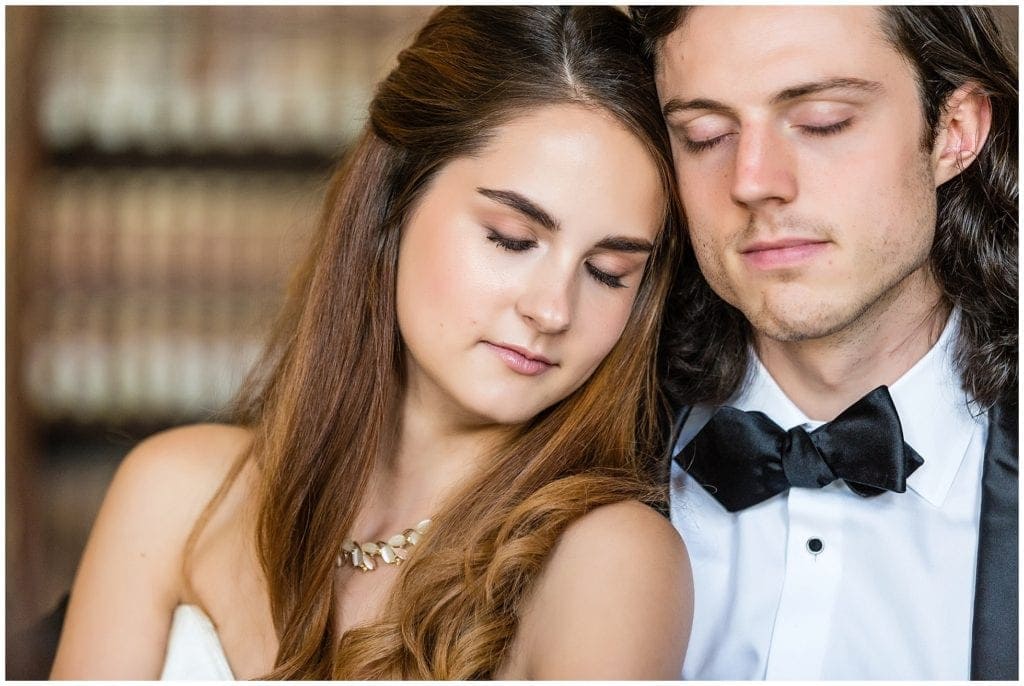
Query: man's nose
(764, 168)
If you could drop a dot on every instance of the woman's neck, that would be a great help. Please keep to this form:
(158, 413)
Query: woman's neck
(437, 450)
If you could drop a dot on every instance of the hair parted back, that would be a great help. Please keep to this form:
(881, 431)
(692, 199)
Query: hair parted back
(974, 256)
(323, 402)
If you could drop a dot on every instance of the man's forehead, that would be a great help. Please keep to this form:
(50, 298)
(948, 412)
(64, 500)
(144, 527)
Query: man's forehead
(762, 19)
(721, 44)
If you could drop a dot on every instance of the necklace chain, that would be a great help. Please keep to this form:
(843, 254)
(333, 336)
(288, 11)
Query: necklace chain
(393, 551)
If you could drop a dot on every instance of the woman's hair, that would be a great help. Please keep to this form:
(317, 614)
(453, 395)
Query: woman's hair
(974, 257)
(323, 404)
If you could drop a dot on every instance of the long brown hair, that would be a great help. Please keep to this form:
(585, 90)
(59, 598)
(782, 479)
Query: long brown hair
(706, 341)
(323, 404)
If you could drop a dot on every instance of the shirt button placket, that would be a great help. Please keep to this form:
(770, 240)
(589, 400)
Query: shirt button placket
(802, 624)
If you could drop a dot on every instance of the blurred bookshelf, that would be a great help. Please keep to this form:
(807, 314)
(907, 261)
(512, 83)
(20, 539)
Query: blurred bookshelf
(186, 150)
(165, 166)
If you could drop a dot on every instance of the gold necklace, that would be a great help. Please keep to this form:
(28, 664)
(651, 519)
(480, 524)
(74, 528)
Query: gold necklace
(393, 551)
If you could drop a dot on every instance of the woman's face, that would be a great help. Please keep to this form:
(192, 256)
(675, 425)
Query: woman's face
(519, 266)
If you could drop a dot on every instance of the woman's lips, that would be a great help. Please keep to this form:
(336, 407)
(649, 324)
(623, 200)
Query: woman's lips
(520, 361)
(783, 254)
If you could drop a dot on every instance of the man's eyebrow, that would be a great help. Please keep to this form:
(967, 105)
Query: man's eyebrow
(521, 204)
(674, 105)
(623, 244)
(829, 84)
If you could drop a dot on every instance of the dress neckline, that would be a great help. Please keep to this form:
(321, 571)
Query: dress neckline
(194, 650)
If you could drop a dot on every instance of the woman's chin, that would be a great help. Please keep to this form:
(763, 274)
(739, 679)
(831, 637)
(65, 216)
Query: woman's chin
(505, 413)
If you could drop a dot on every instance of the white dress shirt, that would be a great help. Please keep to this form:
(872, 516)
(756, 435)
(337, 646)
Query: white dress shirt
(890, 594)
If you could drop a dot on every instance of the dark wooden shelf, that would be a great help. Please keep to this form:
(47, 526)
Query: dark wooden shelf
(62, 436)
(86, 156)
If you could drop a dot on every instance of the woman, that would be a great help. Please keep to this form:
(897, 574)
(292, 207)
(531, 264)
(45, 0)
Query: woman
(471, 341)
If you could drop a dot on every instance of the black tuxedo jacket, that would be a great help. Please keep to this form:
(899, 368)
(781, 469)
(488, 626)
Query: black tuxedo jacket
(995, 642)
(994, 650)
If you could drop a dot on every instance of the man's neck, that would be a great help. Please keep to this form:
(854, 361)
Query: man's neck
(824, 376)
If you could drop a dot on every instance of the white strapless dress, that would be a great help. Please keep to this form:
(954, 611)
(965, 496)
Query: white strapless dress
(194, 651)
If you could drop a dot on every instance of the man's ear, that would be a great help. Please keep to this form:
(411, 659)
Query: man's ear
(963, 128)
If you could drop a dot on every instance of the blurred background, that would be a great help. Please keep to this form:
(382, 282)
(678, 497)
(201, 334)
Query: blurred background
(164, 167)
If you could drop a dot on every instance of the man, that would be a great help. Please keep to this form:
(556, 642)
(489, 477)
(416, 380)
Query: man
(845, 474)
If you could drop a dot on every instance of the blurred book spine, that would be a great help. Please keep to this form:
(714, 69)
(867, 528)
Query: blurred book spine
(154, 289)
(230, 79)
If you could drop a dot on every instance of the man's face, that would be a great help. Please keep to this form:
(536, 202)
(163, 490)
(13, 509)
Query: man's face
(797, 136)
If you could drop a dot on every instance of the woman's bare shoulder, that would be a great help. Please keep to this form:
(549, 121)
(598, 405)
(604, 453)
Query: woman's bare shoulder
(168, 478)
(614, 601)
(628, 518)
(174, 475)
(129, 579)
(189, 453)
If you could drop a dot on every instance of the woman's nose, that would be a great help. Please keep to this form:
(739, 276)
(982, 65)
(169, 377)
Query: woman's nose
(547, 303)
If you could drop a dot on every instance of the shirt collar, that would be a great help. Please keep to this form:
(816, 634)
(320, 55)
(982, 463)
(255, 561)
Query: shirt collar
(934, 410)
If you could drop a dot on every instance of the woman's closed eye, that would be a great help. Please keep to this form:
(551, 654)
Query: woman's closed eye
(610, 280)
(509, 243)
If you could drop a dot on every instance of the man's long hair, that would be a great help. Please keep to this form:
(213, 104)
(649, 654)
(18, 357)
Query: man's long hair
(705, 341)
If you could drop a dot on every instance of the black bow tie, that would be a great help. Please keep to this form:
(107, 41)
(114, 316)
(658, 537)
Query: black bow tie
(743, 458)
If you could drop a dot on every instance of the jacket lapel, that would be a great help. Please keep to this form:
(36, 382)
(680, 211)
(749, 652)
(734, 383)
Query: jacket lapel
(994, 644)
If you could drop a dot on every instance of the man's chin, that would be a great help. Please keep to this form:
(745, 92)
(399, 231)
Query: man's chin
(799, 324)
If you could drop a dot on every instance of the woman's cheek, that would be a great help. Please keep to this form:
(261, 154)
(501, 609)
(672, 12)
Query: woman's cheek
(601, 326)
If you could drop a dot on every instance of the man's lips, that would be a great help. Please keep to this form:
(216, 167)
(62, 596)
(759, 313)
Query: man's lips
(783, 252)
(519, 359)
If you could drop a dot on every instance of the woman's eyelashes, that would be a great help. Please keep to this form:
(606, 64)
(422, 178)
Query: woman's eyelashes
(523, 244)
(604, 277)
(510, 244)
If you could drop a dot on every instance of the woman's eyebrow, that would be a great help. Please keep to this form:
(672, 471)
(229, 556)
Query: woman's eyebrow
(623, 244)
(523, 205)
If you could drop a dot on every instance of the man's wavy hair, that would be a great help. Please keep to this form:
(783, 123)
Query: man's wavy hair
(705, 341)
